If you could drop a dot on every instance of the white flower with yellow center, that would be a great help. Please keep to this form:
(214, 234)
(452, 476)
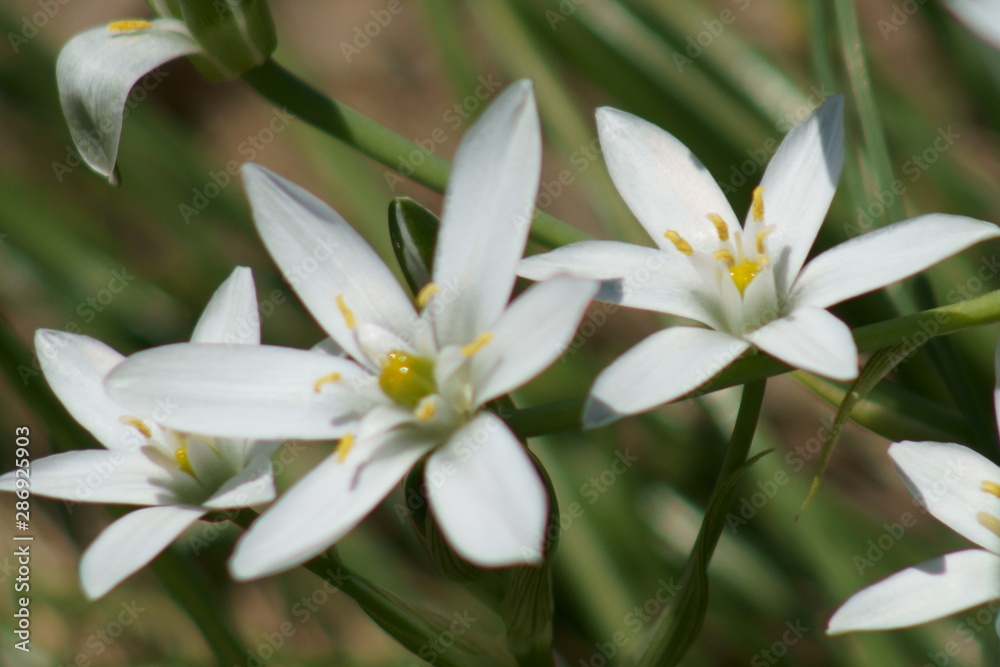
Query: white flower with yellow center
(181, 476)
(417, 378)
(743, 286)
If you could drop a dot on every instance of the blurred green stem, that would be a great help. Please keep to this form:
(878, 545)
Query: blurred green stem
(377, 141)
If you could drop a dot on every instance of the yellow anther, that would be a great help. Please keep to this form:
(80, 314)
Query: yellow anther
(344, 447)
(679, 242)
(476, 345)
(758, 204)
(181, 456)
(991, 488)
(724, 255)
(137, 424)
(426, 410)
(326, 379)
(990, 522)
(743, 273)
(426, 292)
(721, 228)
(761, 235)
(129, 26)
(346, 312)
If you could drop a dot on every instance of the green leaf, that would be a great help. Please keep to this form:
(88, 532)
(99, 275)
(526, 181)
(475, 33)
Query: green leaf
(413, 231)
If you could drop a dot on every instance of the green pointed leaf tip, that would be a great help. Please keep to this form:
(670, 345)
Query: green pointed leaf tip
(97, 69)
(413, 231)
(237, 35)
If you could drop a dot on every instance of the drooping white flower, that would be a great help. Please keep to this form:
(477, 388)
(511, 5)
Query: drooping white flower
(743, 286)
(416, 382)
(961, 488)
(180, 476)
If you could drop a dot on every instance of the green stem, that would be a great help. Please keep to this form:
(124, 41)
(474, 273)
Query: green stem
(377, 141)
(668, 642)
(915, 329)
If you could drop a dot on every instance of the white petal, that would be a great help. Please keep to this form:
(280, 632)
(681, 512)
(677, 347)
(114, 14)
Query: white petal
(130, 543)
(75, 367)
(253, 486)
(326, 504)
(982, 17)
(811, 339)
(323, 258)
(487, 215)
(799, 184)
(243, 391)
(885, 255)
(634, 276)
(98, 476)
(95, 72)
(664, 184)
(946, 478)
(231, 315)
(663, 367)
(487, 496)
(530, 335)
(929, 591)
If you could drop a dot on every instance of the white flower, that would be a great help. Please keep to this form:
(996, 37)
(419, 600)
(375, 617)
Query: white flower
(743, 286)
(981, 17)
(181, 476)
(418, 382)
(961, 488)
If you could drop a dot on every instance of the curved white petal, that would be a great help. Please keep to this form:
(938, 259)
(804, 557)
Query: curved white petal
(252, 486)
(661, 368)
(75, 367)
(632, 276)
(231, 315)
(947, 479)
(130, 543)
(981, 17)
(929, 591)
(811, 339)
(885, 255)
(326, 504)
(664, 184)
(487, 496)
(533, 332)
(326, 262)
(95, 72)
(487, 215)
(242, 391)
(799, 184)
(98, 476)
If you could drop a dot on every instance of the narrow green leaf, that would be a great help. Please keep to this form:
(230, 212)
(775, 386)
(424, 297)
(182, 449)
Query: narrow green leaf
(413, 231)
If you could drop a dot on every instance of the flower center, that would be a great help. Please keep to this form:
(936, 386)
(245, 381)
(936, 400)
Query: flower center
(407, 378)
(989, 521)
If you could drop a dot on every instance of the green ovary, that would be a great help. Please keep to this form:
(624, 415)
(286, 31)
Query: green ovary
(407, 378)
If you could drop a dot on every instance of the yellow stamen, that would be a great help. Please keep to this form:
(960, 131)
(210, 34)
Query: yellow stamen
(721, 228)
(990, 522)
(679, 242)
(181, 456)
(326, 379)
(991, 488)
(346, 312)
(137, 424)
(724, 255)
(761, 235)
(758, 204)
(129, 26)
(743, 273)
(426, 292)
(344, 447)
(426, 410)
(476, 345)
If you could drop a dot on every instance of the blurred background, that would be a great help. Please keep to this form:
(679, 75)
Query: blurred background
(134, 266)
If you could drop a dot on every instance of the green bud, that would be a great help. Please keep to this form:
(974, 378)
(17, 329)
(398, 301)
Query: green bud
(413, 231)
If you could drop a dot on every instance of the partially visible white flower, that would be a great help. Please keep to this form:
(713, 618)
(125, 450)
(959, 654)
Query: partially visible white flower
(418, 379)
(180, 476)
(982, 17)
(742, 286)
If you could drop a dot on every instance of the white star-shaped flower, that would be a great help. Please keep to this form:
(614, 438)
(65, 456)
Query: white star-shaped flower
(417, 380)
(180, 476)
(743, 286)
